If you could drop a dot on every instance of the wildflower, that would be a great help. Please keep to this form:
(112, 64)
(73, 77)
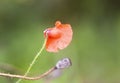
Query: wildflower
(58, 37)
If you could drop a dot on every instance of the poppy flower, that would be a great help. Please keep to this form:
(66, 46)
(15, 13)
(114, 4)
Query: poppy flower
(58, 37)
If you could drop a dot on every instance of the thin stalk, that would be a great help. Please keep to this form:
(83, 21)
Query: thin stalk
(29, 78)
(34, 60)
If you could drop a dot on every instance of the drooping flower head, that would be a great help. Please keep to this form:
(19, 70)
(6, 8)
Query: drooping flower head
(58, 37)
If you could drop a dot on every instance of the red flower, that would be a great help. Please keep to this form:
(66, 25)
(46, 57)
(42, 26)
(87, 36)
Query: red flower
(58, 37)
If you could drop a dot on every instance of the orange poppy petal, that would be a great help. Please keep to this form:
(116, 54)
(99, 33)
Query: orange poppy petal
(59, 37)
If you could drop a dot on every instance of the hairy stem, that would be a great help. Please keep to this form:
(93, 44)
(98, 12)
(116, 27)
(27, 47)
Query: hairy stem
(29, 78)
(34, 60)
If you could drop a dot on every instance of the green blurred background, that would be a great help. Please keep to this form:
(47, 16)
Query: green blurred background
(94, 50)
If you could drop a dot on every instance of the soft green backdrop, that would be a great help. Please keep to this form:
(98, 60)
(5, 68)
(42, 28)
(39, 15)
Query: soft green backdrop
(94, 50)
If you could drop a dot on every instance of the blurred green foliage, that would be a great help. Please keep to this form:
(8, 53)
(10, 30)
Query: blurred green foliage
(94, 50)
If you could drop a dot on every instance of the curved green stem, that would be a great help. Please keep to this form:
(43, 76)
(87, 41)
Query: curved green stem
(34, 60)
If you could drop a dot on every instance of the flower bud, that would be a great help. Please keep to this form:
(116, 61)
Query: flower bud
(63, 63)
